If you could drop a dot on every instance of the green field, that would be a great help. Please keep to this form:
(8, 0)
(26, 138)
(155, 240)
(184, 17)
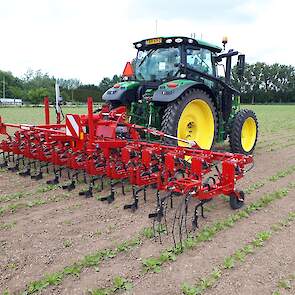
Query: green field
(272, 118)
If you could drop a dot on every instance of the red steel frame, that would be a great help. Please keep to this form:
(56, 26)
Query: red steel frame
(101, 152)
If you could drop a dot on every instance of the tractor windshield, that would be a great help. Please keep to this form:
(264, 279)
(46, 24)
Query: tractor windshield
(157, 64)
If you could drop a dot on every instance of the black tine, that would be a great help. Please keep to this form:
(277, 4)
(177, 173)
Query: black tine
(123, 188)
(111, 197)
(134, 205)
(26, 172)
(144, 194)
(53, 181)
(37, 176)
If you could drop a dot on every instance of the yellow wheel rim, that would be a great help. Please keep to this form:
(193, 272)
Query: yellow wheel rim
(248, 136)
(197, 123)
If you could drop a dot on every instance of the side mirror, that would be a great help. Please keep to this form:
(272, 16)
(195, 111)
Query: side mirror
(241, 65)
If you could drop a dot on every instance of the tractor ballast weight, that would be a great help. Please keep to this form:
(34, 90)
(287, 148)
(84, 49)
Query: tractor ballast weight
(105, 145)
(175, 88)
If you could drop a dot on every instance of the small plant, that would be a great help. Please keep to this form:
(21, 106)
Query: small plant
(119, 284)
(225, 198)
(98, 233)
(54, 279)
(284, 284)
(229, 262)
(240, 255)
(148, 232)
(73, 270)
(46, 188)
(152, 264)
(67, 243)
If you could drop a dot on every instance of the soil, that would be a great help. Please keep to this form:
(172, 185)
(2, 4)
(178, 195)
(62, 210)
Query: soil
(47, 237)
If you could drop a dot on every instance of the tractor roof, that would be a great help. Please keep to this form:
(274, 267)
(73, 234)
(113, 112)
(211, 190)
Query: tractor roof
(168, 41)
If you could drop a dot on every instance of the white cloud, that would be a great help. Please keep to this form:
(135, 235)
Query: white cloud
(91, 39)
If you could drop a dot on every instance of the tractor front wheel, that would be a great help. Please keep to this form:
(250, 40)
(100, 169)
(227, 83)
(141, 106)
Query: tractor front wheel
(191, 117)
(244, 132)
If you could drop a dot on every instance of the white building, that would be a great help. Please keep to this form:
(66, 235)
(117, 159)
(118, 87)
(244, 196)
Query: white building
(11, 101)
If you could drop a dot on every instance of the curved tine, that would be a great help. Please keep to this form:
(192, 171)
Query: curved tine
(176, 216)
(158, 218)
(165, 214)
(187, 200)
(180, 222)
(154, 228)
(163, 210)
(173, 226)
(183, 219)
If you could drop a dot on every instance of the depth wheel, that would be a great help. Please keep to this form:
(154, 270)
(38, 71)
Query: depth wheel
(244, 132)
(191, 117)
(236, 200)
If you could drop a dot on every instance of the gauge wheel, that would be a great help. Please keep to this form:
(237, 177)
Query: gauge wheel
(237, 201)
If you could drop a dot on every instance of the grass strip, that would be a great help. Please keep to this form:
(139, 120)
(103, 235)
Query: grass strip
(12, 208)
(6, 226)
(238, 257)
(282, 174)
(20, 195)
(14, 196)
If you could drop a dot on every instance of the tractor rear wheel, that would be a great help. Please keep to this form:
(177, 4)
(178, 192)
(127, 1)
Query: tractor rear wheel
(192, 117)
(244, 132)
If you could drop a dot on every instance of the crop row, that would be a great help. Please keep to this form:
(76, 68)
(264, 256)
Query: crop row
(238, 257)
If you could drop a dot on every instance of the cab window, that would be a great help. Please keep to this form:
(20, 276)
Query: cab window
(200, 59)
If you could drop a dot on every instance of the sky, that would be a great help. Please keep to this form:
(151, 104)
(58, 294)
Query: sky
(92, 39)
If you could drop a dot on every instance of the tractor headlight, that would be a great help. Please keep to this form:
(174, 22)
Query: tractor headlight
(178, 40)
(168, 41)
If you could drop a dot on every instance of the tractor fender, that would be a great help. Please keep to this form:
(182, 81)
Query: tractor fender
(166, 94)
(125, 92)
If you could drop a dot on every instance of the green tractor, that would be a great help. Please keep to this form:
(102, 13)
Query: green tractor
(173, 86)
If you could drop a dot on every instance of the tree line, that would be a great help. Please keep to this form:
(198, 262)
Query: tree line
(262, 83)
(34, 85)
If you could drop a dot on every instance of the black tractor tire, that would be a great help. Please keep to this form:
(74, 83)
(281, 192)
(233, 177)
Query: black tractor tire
(173, 112)
(235, 203)
(235, 136)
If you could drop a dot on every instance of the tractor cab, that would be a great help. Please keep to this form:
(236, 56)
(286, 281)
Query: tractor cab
(165, 59)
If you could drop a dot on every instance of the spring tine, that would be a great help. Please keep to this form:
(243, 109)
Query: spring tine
(123, 188)
(144, 194)
(180, 222)
(101, 183)
(176, 217)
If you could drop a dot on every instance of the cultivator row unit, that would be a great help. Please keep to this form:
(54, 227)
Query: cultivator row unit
(104, 145)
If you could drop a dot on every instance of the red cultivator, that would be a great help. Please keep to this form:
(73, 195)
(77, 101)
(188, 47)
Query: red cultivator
(104, 145)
